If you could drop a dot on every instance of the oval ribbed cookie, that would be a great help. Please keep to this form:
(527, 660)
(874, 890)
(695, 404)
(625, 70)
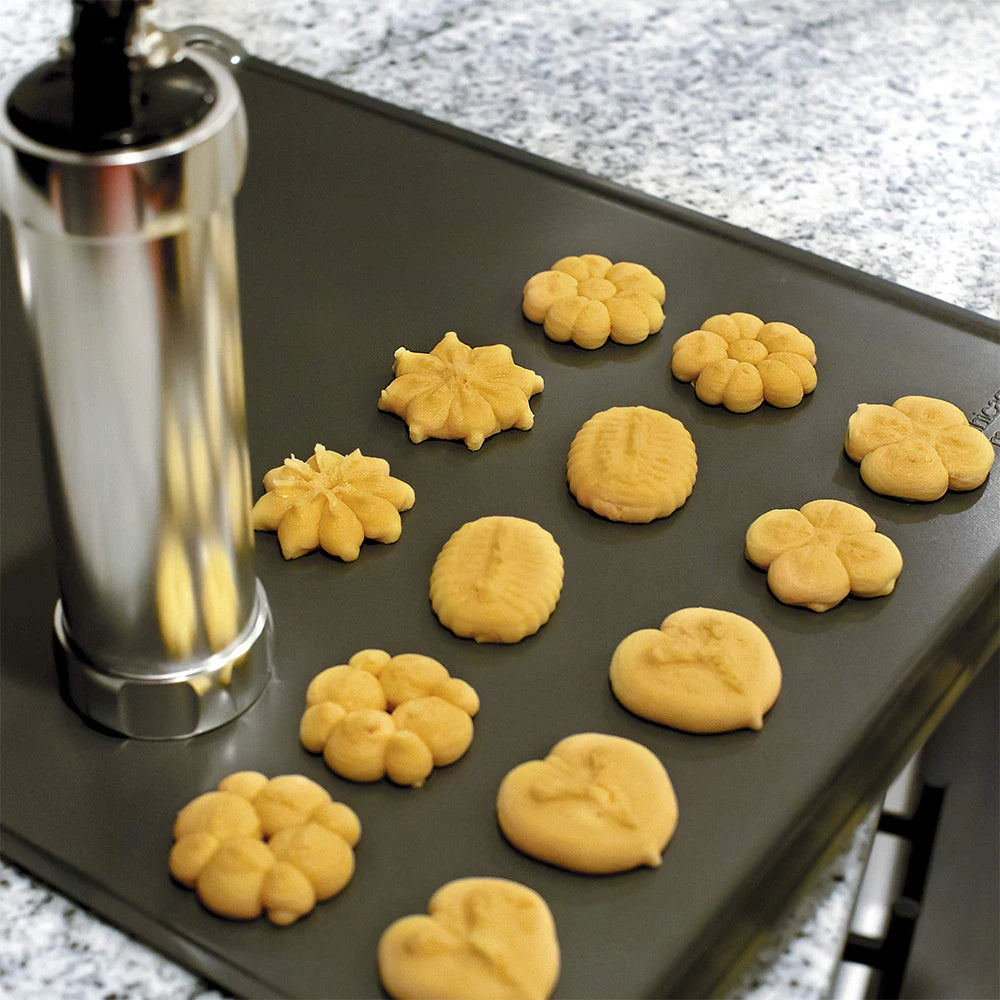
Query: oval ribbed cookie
(703, 671)
(497, 579)
(632, 463)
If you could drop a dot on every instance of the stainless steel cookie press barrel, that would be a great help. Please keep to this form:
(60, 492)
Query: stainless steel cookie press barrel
(119, 163)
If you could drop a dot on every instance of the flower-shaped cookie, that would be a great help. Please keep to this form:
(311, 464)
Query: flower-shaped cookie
(460, 392)
(487, 938)
(917, 449)
(332, 500)
(739, 361)
(819, 554)
(348, 717)
(587, 299)
(596, 804)
(280, 845)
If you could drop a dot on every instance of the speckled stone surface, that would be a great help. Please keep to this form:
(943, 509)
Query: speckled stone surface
(864, 131)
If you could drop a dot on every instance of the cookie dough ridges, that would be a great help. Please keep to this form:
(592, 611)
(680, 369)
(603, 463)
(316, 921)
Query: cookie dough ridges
(458, 392)
(632, 463)
(588, 300)
(819, 554)
(597, 804)
(482, 938)
(497, 579)
(917, 449)
(702, 671)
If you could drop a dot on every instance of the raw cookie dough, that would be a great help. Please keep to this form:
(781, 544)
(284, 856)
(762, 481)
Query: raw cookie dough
(332, 500)
(819, 554)
(348, 717)
(917, 449)
(740, 361)
(596, 804)
(484, 938)
(253, 845)
(631, 463)
(497, 579)
(588, 299)
(703, 671)
(460, 392)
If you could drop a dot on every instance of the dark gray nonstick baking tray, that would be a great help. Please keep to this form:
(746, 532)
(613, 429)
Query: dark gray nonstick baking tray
(363, 228)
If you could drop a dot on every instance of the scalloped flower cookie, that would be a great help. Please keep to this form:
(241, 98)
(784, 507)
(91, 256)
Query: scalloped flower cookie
(703, 671)
(596, 804)
(487, 938)
(331, 501)
(457, 392)
(740, 361)
(379, 715)
(587, 299)
(819, 554)
(917, 449)
(497, 579)
(253, 845)
(632, 463)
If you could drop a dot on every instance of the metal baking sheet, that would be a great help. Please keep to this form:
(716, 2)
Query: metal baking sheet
(363, 228)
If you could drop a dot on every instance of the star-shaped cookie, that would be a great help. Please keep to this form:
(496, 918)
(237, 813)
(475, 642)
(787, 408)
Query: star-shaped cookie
(457, 392)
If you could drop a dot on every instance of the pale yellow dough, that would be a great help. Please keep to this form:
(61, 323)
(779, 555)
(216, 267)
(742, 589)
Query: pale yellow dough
(379, 715)
(632, 463)
(596, 804)
(482, 939)
(253, 845)
(703, 671)
(917, 449)
(460, 392)
(497, 579)
(588, 299)
(332, 500)
(819, 554)
(740, 361)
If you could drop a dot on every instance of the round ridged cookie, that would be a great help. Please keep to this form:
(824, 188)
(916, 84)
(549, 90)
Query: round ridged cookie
(632, 463)
(703, 671)
(497, 579)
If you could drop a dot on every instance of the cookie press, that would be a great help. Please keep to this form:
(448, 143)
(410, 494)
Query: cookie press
(119, 162)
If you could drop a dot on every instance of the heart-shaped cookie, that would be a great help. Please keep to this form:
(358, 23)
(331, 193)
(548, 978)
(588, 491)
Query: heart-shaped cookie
(596, 804)
(487, 938)
(703, 670)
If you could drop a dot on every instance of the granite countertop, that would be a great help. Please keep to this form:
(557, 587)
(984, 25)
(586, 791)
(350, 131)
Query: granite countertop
(864, 132)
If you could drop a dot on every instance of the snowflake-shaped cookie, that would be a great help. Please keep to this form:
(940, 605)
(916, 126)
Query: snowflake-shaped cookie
(348, 717)
(740, 361)
(588, 299)
(917, 449)
(819, 554)
(332, 500)
(459, 392)
(253, 845)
